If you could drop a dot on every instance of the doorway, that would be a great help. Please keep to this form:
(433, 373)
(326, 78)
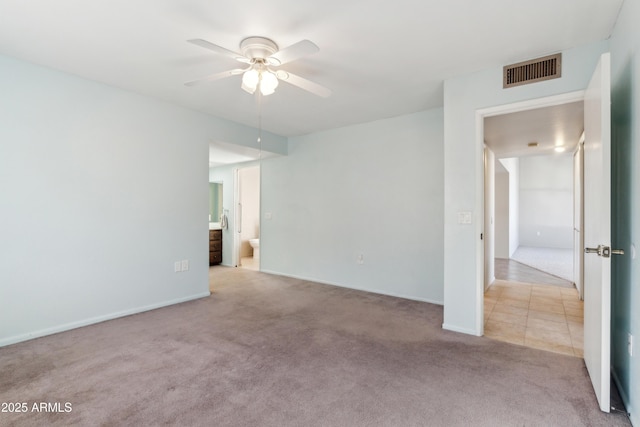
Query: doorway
(247, 230)
(531, 228)
(596, 220)
(531, 307)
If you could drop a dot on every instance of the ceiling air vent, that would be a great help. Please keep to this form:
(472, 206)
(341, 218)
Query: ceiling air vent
(535, 70)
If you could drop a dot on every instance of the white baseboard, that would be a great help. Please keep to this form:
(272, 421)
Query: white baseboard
(78, 324)
(342, 285)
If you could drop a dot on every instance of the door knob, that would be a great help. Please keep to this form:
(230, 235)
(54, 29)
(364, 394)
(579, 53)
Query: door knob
(603, 251)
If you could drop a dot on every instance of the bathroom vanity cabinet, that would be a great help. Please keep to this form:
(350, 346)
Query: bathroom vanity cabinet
(215, 247)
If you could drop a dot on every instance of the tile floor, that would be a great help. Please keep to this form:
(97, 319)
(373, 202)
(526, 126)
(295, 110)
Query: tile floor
(539, 316)
(508, 269)
(250, 263)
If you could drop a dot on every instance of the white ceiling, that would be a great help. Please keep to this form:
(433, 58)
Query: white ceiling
(508, 135)
(380, 58)
(223, 153)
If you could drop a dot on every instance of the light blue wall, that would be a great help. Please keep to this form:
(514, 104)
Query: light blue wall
(373, 189)
(625, 64)
(102, 190)
(463, 176)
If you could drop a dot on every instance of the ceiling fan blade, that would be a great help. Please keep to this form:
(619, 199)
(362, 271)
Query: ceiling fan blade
(217, 76)
(293, 52)
(302, 83)
(219, 49)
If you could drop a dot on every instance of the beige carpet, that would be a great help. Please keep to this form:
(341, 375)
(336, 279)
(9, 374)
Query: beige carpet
(271, 351)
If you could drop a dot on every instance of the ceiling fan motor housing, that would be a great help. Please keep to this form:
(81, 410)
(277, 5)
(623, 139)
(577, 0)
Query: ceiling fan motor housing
(258, 47)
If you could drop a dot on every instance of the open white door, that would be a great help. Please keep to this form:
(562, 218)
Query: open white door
(597, 231)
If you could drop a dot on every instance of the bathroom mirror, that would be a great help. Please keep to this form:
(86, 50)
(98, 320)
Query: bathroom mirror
(215, 202)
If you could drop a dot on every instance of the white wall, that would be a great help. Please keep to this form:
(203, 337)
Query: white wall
(546, 201)
(489, 216)
(506, 207)
(102, 191)
(512, 165)
(374, 189)
(464, 96)
(501, 212)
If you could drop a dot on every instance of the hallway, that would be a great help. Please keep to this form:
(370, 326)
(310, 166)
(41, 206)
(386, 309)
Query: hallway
(529, 307)
(540, 316)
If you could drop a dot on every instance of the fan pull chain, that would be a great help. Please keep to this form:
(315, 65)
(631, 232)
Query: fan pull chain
(259, 125)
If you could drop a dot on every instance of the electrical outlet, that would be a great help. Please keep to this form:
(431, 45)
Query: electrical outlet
(360, 259)
(185, 264)
(630, 344)
(177, 267)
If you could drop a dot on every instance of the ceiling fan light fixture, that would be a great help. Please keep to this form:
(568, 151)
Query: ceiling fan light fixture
(250, 80)
(268, 83)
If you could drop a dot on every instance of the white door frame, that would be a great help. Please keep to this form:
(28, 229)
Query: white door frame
(237, 208)
(530, 104)
(578, 217)
(235, 259)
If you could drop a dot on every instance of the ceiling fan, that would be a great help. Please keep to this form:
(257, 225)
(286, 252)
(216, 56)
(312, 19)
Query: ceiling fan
(262, 56)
